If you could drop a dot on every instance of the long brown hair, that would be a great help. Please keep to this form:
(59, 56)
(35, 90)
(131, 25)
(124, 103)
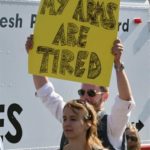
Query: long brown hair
(89, 116)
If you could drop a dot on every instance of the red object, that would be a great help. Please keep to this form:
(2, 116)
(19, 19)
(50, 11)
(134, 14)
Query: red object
(145, 147)
(137, 20)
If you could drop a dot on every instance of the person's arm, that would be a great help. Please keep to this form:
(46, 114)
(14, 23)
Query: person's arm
(45, 89)
(124, 88)
(124, 102)
(39, 81)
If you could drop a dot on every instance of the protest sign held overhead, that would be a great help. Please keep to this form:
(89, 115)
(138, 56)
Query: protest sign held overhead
(73, 40)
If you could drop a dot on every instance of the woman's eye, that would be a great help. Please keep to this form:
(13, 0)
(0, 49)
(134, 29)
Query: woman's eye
(73, 119)
(64, 119)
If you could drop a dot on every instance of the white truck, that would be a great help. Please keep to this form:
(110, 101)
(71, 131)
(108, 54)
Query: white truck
(25, 123)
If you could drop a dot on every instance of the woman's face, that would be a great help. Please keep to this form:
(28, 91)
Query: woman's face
(131, 139)
(73, 123)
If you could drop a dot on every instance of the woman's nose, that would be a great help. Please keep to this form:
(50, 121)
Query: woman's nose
(67, 123)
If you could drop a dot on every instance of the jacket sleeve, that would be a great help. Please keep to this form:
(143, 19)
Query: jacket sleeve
(52, 100)
(118, 119)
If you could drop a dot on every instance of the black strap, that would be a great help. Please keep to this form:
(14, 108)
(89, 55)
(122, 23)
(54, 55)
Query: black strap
(63, 141)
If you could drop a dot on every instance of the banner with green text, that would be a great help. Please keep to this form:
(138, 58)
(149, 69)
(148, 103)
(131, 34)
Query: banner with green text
(73, 40)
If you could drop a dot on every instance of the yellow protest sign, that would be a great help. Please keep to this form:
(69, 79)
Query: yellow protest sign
(73, 40)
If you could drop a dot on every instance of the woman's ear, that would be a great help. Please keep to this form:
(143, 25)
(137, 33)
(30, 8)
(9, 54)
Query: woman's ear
(88, 125)
(105, 96)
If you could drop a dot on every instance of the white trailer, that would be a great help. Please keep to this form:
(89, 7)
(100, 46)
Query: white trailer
(24, 122)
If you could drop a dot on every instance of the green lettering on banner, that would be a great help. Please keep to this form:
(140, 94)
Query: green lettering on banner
(44, 63)
(97, 14)
(94, 66)
(67, 56)
(73, 39)
(72, 31)
(51, 5)
(79, 71)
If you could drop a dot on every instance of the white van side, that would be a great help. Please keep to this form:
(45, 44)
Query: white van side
(24, 122)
